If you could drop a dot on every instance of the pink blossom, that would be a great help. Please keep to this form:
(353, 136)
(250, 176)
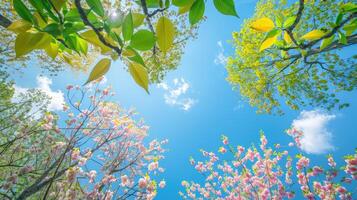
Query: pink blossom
(142, 183)
(162, 184)
(69, 87)
(152, 166)
(124, 180)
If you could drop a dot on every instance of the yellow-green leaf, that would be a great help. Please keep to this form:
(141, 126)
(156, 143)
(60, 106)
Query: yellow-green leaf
(263, 24)
(186, 8)
(128, 53)
(140, 75)
(52, 50)
(91, 37)
(326, 42)
(19, 26)
(138, 19)
(26, 42)
(313, 35)
(99, 70)
(165, 31)
(58, 4)
(268, 42)
(287, 38)
(39, 21)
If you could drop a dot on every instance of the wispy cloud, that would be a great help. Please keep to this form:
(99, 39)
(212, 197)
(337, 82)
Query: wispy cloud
(56, 101)
(176, 95)
(220, 59)
(316, 137)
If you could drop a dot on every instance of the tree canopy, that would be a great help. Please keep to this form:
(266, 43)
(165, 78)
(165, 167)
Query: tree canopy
(293, 52)
(147, 35)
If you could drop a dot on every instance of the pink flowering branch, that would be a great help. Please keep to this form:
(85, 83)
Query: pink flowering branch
(98, 152)
(258, 174)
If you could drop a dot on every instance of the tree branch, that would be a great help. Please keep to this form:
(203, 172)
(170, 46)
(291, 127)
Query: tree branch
(97, 31)
(148, 20)
(4, 22)
(156, 11)
(290, 29)
(334, 30)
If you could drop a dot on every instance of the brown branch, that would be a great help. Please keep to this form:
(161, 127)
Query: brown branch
(334, 30)
(97, 31)
(148, 20)
(290, 29)
(351, 40)
(4, 22)
(156, 11)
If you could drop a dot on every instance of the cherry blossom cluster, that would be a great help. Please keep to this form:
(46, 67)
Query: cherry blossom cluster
(102, 153)
(235, 173)
(112, 160)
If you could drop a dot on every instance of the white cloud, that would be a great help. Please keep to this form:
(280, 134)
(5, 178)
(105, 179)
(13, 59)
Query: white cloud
(220, 59)
(56, 101)
(177, 94)
(316, 138)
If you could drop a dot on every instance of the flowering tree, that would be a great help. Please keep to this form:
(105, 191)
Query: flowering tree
(269, 173)
(295, 52)
(98, 152)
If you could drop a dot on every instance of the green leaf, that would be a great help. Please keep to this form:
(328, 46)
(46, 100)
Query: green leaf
(339, 19)
(74, 27)
(58, 4)
(167, 3)
(92, 37)
(185, 8)
(134, 56)
(96, 6)
(99, 70)
(27, 42)
(128, 27)
(47, 6)
(143, 40)
(289, 21)
(23, 11)
(19, 26)
(52, 50)
(226, 7)
(53, 29)
(279, 21)
(326, 42)
(138, 19)
(270, 39)
(37, 4)
(197, 11)
(350, 28)
(342, 38)
(152, 3)
(165, 31)
(180, 3)
(76, 43)
(349, 7)
(140, 75)
(72, 16)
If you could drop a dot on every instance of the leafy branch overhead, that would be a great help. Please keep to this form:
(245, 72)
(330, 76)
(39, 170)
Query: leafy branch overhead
(137, 33)
(292, 53)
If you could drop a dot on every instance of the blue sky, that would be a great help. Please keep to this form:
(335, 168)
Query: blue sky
(216, 109)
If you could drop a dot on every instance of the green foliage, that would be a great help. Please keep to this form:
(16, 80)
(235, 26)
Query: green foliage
(70, 30)
(226, 7)
(143, 40)
(197, 11)
(99, 69)
(292, 55)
